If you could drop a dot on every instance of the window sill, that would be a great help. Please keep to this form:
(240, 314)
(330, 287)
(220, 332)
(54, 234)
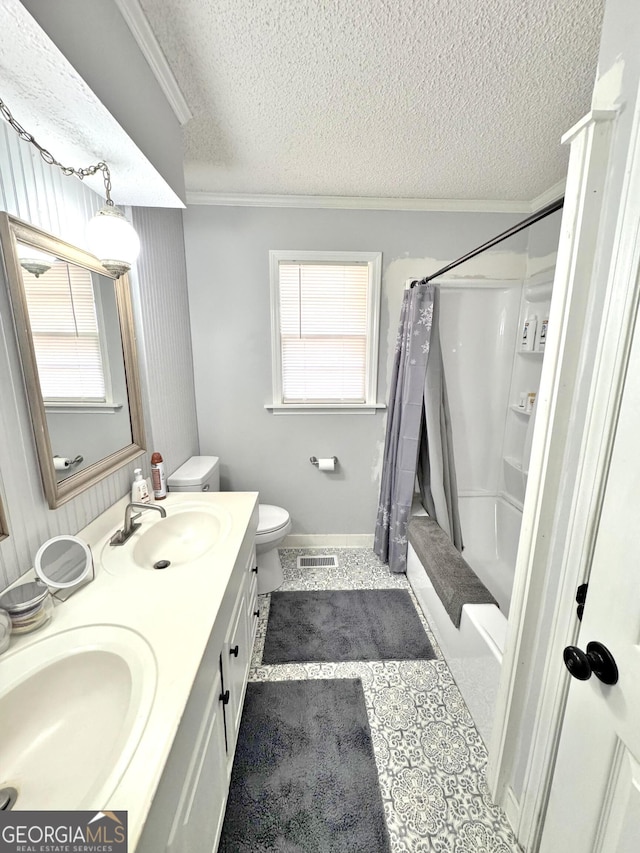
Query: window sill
(61, 408)
(324, 408)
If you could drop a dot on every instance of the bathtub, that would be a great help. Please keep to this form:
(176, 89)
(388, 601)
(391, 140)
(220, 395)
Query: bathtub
(490, 530)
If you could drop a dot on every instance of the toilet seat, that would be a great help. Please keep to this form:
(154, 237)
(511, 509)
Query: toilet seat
(271, 519)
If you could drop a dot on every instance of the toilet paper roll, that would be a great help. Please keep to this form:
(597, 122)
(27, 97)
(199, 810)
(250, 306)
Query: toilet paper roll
(61, 463)
(327, 464)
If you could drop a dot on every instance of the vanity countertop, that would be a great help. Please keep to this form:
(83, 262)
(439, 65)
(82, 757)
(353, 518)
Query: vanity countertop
(174, 610)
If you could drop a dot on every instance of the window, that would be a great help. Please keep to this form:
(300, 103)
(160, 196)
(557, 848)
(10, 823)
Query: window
(324, 310)
(66, 338)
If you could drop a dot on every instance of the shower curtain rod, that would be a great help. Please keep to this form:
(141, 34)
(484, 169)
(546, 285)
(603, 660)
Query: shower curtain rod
(530, 220)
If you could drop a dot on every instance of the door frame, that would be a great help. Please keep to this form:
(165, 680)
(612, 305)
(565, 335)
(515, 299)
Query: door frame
(593, 310)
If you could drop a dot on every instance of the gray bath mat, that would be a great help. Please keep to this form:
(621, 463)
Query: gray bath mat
(304, 776)
(349, 625)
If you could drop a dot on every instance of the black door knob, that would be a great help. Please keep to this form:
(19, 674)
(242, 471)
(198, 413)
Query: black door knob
(224, 697)
(234, 651)
(597, 660)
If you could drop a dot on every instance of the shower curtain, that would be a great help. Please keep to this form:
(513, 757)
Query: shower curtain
(416, 380)
(436, 467)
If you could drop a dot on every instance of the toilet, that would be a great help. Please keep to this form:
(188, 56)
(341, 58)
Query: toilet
(202, 474)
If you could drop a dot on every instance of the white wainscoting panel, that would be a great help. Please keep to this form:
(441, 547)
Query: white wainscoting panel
(41, 194)
(164, 318)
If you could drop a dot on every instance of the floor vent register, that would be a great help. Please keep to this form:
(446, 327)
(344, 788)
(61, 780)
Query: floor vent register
(319, 561)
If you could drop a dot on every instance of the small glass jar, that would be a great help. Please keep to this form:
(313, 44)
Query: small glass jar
(29, 606)
(5, 631)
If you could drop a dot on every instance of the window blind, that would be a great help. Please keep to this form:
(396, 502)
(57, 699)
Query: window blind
(323, 331)
(66, 340)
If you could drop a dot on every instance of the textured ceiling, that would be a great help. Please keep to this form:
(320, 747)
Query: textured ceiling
(415, 98)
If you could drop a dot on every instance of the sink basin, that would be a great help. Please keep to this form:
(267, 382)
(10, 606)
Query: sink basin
(73, 708)
(186, 534)
(180, 538)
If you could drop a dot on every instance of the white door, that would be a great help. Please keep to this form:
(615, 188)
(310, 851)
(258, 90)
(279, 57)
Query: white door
(594, 804)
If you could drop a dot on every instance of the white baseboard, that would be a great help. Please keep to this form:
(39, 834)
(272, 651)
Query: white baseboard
(328, 540)
(511, 808)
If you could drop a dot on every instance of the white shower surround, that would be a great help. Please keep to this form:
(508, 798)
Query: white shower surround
(478, 323)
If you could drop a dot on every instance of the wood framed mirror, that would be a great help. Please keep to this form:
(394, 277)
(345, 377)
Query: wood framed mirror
(75, 333)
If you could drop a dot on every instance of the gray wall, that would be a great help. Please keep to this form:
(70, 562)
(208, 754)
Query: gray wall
(542, 238)
(94, 37)
(228, 275)
(62, 206)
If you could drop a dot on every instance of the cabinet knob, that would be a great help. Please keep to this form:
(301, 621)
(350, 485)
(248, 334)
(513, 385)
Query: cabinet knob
(234, 651)
(256, 612)
(224, 697)
(255, 570)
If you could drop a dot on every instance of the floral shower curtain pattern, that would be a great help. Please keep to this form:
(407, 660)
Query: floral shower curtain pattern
(403, 426)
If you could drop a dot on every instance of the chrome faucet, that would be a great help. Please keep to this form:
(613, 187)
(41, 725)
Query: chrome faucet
(121, 536)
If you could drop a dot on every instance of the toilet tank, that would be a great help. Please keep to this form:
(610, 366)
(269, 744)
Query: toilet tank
(197, 474)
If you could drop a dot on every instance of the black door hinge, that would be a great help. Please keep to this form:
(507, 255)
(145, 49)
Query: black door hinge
(581, 597)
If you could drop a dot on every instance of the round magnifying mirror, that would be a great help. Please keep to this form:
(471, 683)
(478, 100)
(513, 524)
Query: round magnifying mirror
(64, 562)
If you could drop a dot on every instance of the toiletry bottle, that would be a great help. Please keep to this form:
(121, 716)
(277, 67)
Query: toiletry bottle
(542, 337)
(139, 489)
(529, 333)
(158, 477)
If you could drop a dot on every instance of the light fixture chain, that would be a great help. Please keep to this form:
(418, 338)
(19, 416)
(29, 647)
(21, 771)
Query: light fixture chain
(48, 157)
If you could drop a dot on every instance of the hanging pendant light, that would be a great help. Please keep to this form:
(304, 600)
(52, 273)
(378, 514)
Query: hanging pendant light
(110, 235)
(113, 239)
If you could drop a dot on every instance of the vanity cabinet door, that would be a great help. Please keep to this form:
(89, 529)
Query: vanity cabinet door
(252, 602)
(235, 666)
(253, 610)
(198, 819)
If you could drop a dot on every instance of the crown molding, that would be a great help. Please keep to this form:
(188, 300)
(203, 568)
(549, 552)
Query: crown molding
(137, 21)
(439, 205)
(548, 196)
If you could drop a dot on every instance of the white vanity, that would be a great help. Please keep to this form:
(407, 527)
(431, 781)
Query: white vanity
(163, 657)
(188, 808)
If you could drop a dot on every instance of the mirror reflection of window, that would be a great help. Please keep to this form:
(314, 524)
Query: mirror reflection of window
(69, 348)
(75, 334)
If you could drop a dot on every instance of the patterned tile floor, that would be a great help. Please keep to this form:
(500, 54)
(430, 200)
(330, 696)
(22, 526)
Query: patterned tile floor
(430, 757)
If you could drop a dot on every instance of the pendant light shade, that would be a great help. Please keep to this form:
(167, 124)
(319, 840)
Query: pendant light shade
(33, 260)
(113, 240)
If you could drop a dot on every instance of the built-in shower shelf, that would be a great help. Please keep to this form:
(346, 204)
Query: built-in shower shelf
(515, 480)
(520, 411)
(512, 462)
(531, 352)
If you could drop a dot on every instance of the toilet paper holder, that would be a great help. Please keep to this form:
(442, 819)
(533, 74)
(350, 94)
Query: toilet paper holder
(314, 460)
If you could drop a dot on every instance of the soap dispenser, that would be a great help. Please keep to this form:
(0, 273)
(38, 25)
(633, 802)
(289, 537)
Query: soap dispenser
(139, 489)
